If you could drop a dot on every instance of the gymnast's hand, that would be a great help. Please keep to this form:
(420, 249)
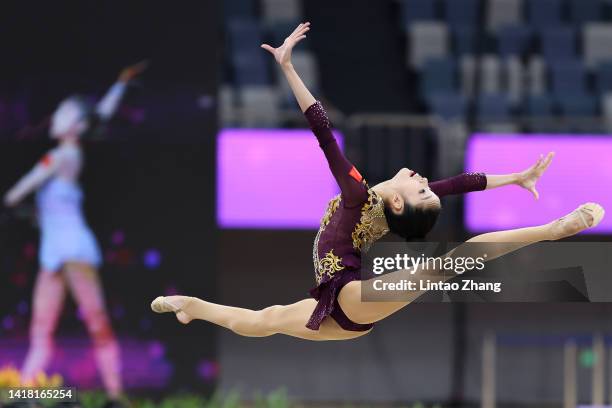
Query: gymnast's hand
(9, 202)
(11, 199)
(528, 178)
(129, 73)
(282, 54)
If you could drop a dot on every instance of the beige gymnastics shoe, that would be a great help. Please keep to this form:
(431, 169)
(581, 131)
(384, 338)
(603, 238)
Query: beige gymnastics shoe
(173, 304)
(586, 216)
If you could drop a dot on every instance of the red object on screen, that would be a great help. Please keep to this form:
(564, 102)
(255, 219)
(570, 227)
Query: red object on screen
(46, 161)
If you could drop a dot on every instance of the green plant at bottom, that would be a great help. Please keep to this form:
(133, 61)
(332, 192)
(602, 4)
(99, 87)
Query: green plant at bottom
(234, 399)
(275, 399)
(92, 399)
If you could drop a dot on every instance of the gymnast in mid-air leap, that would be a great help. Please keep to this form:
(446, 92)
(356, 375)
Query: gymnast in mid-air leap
(406, 205)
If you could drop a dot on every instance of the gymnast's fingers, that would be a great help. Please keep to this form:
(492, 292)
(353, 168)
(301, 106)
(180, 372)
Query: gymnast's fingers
(296, 30)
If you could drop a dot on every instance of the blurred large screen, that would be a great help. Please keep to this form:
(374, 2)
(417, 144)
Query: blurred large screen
(147, 179)
(580, 172)
(271, 178)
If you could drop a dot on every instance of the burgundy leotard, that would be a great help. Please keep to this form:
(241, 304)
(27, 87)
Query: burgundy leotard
(348, 226)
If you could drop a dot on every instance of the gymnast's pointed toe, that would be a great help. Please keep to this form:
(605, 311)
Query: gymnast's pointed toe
(159, 305)
(588, 215)
(173, 304)
(596, 211)
(593, 211)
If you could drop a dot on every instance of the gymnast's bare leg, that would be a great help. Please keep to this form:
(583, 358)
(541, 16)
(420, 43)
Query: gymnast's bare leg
(586, 216)
(49, 294)
(291, 319)
(279, 319)
(86, 288)
(47, 304)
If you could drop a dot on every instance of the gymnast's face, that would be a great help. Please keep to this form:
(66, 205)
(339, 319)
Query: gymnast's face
(68, 120)
(414, 189)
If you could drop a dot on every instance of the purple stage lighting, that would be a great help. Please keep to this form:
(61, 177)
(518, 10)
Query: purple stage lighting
(271, 178)
(152, 259)
(144, 363)
(23, 307)
(580, 172)
(208, 370)
(8, 323)
(157, 350)
(118, 238)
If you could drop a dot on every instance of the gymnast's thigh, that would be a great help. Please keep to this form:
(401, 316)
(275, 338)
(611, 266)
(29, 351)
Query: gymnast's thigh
(291, 320)
(362, 312)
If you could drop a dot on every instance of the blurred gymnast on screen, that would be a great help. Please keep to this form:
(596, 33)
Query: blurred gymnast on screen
(69, 255)
(406, 205)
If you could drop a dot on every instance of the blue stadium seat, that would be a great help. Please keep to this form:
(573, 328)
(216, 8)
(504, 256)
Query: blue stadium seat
(239, 8)
(544, 13)
(462, 12)
(426, 40)
(464, 40)
(418, 10)
(539, 106)
(514, 40)
(502, 13)
(603, 79)
(250, 68)
(583, 11)
(558, 44)
(493, 107)
(281, 10)
(578, 105)
(568, 78)
(448, 105)
(244, 35)
(439, 75)
(596, 41)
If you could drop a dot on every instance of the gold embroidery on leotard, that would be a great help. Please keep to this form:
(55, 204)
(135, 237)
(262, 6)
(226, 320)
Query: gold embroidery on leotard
(333, 205)
(372, 225)
(329, 265)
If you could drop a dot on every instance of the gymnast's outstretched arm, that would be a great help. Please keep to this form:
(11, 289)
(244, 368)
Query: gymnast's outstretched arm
(44, 169)
(108, 104)
(354, 192)
(526, 179)
(282, 55)
(468, 182)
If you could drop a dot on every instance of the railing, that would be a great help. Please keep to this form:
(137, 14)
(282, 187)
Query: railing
(381, 143)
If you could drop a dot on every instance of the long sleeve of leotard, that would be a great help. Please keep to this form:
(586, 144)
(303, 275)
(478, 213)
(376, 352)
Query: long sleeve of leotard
(460, 184)
(354, 192)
